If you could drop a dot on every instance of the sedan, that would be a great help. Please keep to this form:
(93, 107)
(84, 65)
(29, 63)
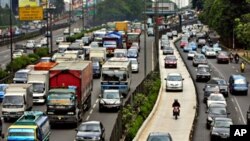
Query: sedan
(223, 85)
(174, 81)
(30, 44)
(210, 52)
(170, 61)
(215, 110)
(223, 57)
(204, 48)
(208, 89)
(60, 39)
(203, 73)
(134, 65)
(187, 48)
(132, 53)
(90, 130)
(191, 54)
(217, 47)
(168, 50)
(165, 43)
(193, 45)
(216, 98)
(17, 53)
(199, 59)
(220, 128)
(159, 136)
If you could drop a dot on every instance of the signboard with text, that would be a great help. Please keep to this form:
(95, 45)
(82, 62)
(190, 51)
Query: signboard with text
(30, 13)
(31, 3)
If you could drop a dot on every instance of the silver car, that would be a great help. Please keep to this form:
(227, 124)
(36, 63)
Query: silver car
(110, 99)
(134, 65)
(174, 81)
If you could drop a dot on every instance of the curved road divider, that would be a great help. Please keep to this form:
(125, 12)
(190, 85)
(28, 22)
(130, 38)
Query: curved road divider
(160, 118)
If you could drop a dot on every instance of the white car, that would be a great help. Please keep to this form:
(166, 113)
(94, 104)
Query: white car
(17, 53)
(175, 33)
(76, 30)
(174, 81)
(60, 39)
(134, 64)
(191, 54)
(30, 44)
(110, 99)
(210, 52)
(216, 98)
(66, 31)
(44, 41)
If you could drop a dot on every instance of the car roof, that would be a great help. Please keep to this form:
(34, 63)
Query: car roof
(238, 76)
(202, 65)
(217, 105)
(159, 133)
(223, 118)
(174, 74)
(111, 90)
(91, 122)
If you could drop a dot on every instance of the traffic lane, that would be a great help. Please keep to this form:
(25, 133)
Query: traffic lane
(108, 118)
(200, 131)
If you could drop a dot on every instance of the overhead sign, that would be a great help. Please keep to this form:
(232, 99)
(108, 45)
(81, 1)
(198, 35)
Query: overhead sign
(30, 13)
(31, 3)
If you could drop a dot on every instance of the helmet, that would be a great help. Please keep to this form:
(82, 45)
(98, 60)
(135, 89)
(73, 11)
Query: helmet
(175, 100)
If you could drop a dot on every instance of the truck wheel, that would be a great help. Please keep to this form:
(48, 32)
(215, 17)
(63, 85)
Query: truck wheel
(5, 119)
(89, 103)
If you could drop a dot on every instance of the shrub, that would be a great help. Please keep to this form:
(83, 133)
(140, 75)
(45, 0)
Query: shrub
(41, 52)
(33, 57)
(134, 128)
(3, 73)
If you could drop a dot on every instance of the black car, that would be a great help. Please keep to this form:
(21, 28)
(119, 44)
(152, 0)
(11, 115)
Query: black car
(159, 136)
(223, 85)
(203, 73)
(215, 110)
(96, 69)
(220, 129)
(208, 89)
(248, 116)
(90, 130)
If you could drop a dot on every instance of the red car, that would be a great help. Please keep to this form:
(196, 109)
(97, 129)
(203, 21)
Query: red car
(223, 57)
(170, 61)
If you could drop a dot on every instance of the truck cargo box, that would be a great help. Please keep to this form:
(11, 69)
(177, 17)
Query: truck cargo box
(72, 73)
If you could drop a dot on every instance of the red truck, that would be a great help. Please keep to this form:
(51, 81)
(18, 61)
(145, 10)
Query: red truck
(70, 91)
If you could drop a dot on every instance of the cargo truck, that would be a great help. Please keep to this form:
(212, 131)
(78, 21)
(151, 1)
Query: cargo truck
(121, 26)
(31, 126)
(70, 92)
(21, 76)
(98, 54)
(18, 98)
(45, 65)
(111, 41)
(40, 83)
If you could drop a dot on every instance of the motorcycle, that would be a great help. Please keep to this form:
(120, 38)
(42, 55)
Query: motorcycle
(176, 112)
(236, 60)
(231, 58)
(242, 67)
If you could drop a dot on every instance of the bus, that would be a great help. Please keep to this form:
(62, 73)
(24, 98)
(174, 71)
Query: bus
(116, 74)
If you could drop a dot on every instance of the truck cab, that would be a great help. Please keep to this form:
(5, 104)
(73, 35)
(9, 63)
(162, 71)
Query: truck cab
(33, 125)
(21, 76)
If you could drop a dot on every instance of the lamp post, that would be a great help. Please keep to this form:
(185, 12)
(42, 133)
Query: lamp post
(47, 23)
(11, 32)
(156, 30)
(82, 15)
(51, 29)
(70, 8)
(145, 43)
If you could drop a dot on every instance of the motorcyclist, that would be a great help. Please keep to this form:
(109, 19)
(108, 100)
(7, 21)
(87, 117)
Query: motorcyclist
(236, 57)
(176, 104)
(242, 66)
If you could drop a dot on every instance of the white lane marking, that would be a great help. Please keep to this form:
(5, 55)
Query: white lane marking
(94, 105)
(96, 100)
(87, 117)
(236, 109)
(91, 111)
(237, 104)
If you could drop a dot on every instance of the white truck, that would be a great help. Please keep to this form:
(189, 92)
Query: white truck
(40, 82)
(98, 54)
(63, 46)
(18, 98)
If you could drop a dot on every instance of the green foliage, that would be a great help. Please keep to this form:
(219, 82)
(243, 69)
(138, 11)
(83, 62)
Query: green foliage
(143, 103)
(33, 57)
(41, 52)
(18, 63)
(3, 73)
(136, 124)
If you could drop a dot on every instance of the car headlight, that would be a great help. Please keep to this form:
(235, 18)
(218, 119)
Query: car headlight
(102, 102)
(50, 113)
(70, 113)
(118, 102)
(51, 106)
(79, 138)
(215, 133)
(96, 138)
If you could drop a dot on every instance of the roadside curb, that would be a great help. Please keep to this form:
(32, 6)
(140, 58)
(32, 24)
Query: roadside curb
(139, 133)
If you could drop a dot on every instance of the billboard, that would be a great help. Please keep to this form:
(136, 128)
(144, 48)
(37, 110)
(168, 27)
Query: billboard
(30, 3)
(30, 13)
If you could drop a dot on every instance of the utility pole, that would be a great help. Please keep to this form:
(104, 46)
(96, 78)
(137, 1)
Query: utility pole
(156, 31)
(47, 23)
(51, 35)
(11, 32)
(83, 15)
(70, 8)
(145, 43)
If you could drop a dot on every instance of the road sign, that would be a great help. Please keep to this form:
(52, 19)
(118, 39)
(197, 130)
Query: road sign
(30, 13)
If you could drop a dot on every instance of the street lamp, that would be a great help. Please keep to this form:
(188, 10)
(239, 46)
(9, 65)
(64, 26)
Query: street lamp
(11, 32)
(145, 43)
(70, 9)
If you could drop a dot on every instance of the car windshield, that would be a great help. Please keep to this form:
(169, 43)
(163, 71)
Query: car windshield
(174, 78)
(114, 75)
(20, 75)
(200, 57)
(60, 99)
(218, 111)
(210, 49)
(111, 95)
(159, 138)
(222, 124)
(89, 128)
(216, 98)
(132, 52)
(133, 61)
(240, 81)
(21, 132)
(212, 88)
(13, 100)
(38, 87)
(222, 82)
(203, 69)
(170, 58)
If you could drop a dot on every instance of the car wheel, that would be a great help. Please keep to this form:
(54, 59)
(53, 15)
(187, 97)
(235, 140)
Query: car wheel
(207, 126)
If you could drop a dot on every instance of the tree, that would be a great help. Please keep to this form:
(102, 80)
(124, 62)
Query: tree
(60, 6)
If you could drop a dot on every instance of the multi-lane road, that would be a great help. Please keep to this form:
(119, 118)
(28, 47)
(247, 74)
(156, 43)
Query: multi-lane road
(237, 105)
(63, 133)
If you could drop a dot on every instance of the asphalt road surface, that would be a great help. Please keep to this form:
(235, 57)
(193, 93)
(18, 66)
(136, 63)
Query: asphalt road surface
(237, 105)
